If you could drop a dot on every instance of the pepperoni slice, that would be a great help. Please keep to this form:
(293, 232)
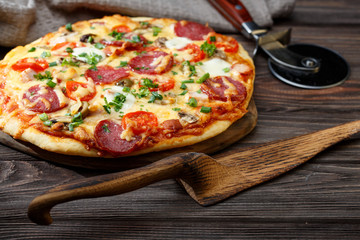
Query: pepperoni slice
(194, 51)
(41, 99)
(191, 30)
(108, 137)
(155, 62)
(240, 88)
(214, 88)
(106, 74)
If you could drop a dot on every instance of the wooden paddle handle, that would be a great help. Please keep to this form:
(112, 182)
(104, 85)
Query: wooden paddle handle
(108, 185)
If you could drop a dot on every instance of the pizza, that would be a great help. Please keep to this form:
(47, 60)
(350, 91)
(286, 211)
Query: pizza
(120, 86)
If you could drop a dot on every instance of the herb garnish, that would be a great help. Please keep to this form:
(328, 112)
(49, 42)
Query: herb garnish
(208, 48)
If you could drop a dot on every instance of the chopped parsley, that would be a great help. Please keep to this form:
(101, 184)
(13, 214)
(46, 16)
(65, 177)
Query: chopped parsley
(149, 83)
(144, 23)
(117, 103)
(156, 31)
(212, 39)
(33, 49)
(123, 64)
(117, 35)
(42, 77)
(155, 96)
(69, 62)
(105, 127)
(205, 109)
(203, 78)
(91, 58)
(192, 102)
(208, 48)
(99, 45)
(69, 27)
(45, 54)
(69, 50)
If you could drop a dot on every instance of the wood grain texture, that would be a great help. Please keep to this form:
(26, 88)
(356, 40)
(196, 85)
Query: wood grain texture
(318, 200)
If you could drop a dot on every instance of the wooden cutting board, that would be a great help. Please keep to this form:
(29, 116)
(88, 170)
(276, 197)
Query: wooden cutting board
(234, 133)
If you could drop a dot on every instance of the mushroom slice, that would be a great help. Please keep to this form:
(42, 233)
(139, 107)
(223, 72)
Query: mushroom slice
(188, 118)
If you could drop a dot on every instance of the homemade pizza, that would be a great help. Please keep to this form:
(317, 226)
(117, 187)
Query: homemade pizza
(121, 86)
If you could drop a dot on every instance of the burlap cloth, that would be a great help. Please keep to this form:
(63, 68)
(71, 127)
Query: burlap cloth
(22, 21)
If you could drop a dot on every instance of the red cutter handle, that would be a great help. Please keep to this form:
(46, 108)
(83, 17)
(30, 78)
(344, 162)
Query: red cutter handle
(234, 11)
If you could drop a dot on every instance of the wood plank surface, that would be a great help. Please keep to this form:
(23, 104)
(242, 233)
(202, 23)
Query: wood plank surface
(318, 200)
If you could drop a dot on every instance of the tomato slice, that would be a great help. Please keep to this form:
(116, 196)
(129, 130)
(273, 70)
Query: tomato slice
(195, 51)
(162, 86)
(38, 65)
(72, 87)
(227, 43)
(139, 121)
(121, 28)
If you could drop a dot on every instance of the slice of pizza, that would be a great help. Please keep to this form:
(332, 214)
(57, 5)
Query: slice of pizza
(120, 86)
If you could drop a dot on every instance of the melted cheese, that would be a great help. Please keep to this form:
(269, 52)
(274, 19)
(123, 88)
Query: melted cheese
(215, 67)
(111, 93)
(177, 42)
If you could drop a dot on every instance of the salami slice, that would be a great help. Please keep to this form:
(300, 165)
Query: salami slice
(106, 74)
(191, 30)
(215, 88)
(107, 135)
(41, 99)
(240, 88)
(155, 62)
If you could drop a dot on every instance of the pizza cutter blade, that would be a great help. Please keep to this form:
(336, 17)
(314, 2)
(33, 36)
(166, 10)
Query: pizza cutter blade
(301, 65)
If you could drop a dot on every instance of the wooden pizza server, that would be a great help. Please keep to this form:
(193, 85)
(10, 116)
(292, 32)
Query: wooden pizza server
(207, 180)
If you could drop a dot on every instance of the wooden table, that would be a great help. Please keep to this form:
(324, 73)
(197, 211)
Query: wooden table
(320, 199)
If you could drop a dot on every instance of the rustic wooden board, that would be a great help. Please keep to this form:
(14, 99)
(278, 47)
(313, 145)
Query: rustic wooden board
(234, 133)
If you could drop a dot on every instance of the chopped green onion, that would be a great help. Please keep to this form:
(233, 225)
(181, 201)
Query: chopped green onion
(188, 81)
(69, 27)
(192, 102)
(203, 78)
(33, 49)
(184, 92)
(48, 123)
(155, 96)
(212, 39)
(156, 30)
(43, 117)
(45, 54)
(176, 109)
(226, 70)
(174, 73)
(51, 84)
(52, 64)
(183, 86)
(126, 89)
(205, 109)
(209, 49)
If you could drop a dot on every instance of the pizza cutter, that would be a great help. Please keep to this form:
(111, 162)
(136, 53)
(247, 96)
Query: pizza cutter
(301, 65)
